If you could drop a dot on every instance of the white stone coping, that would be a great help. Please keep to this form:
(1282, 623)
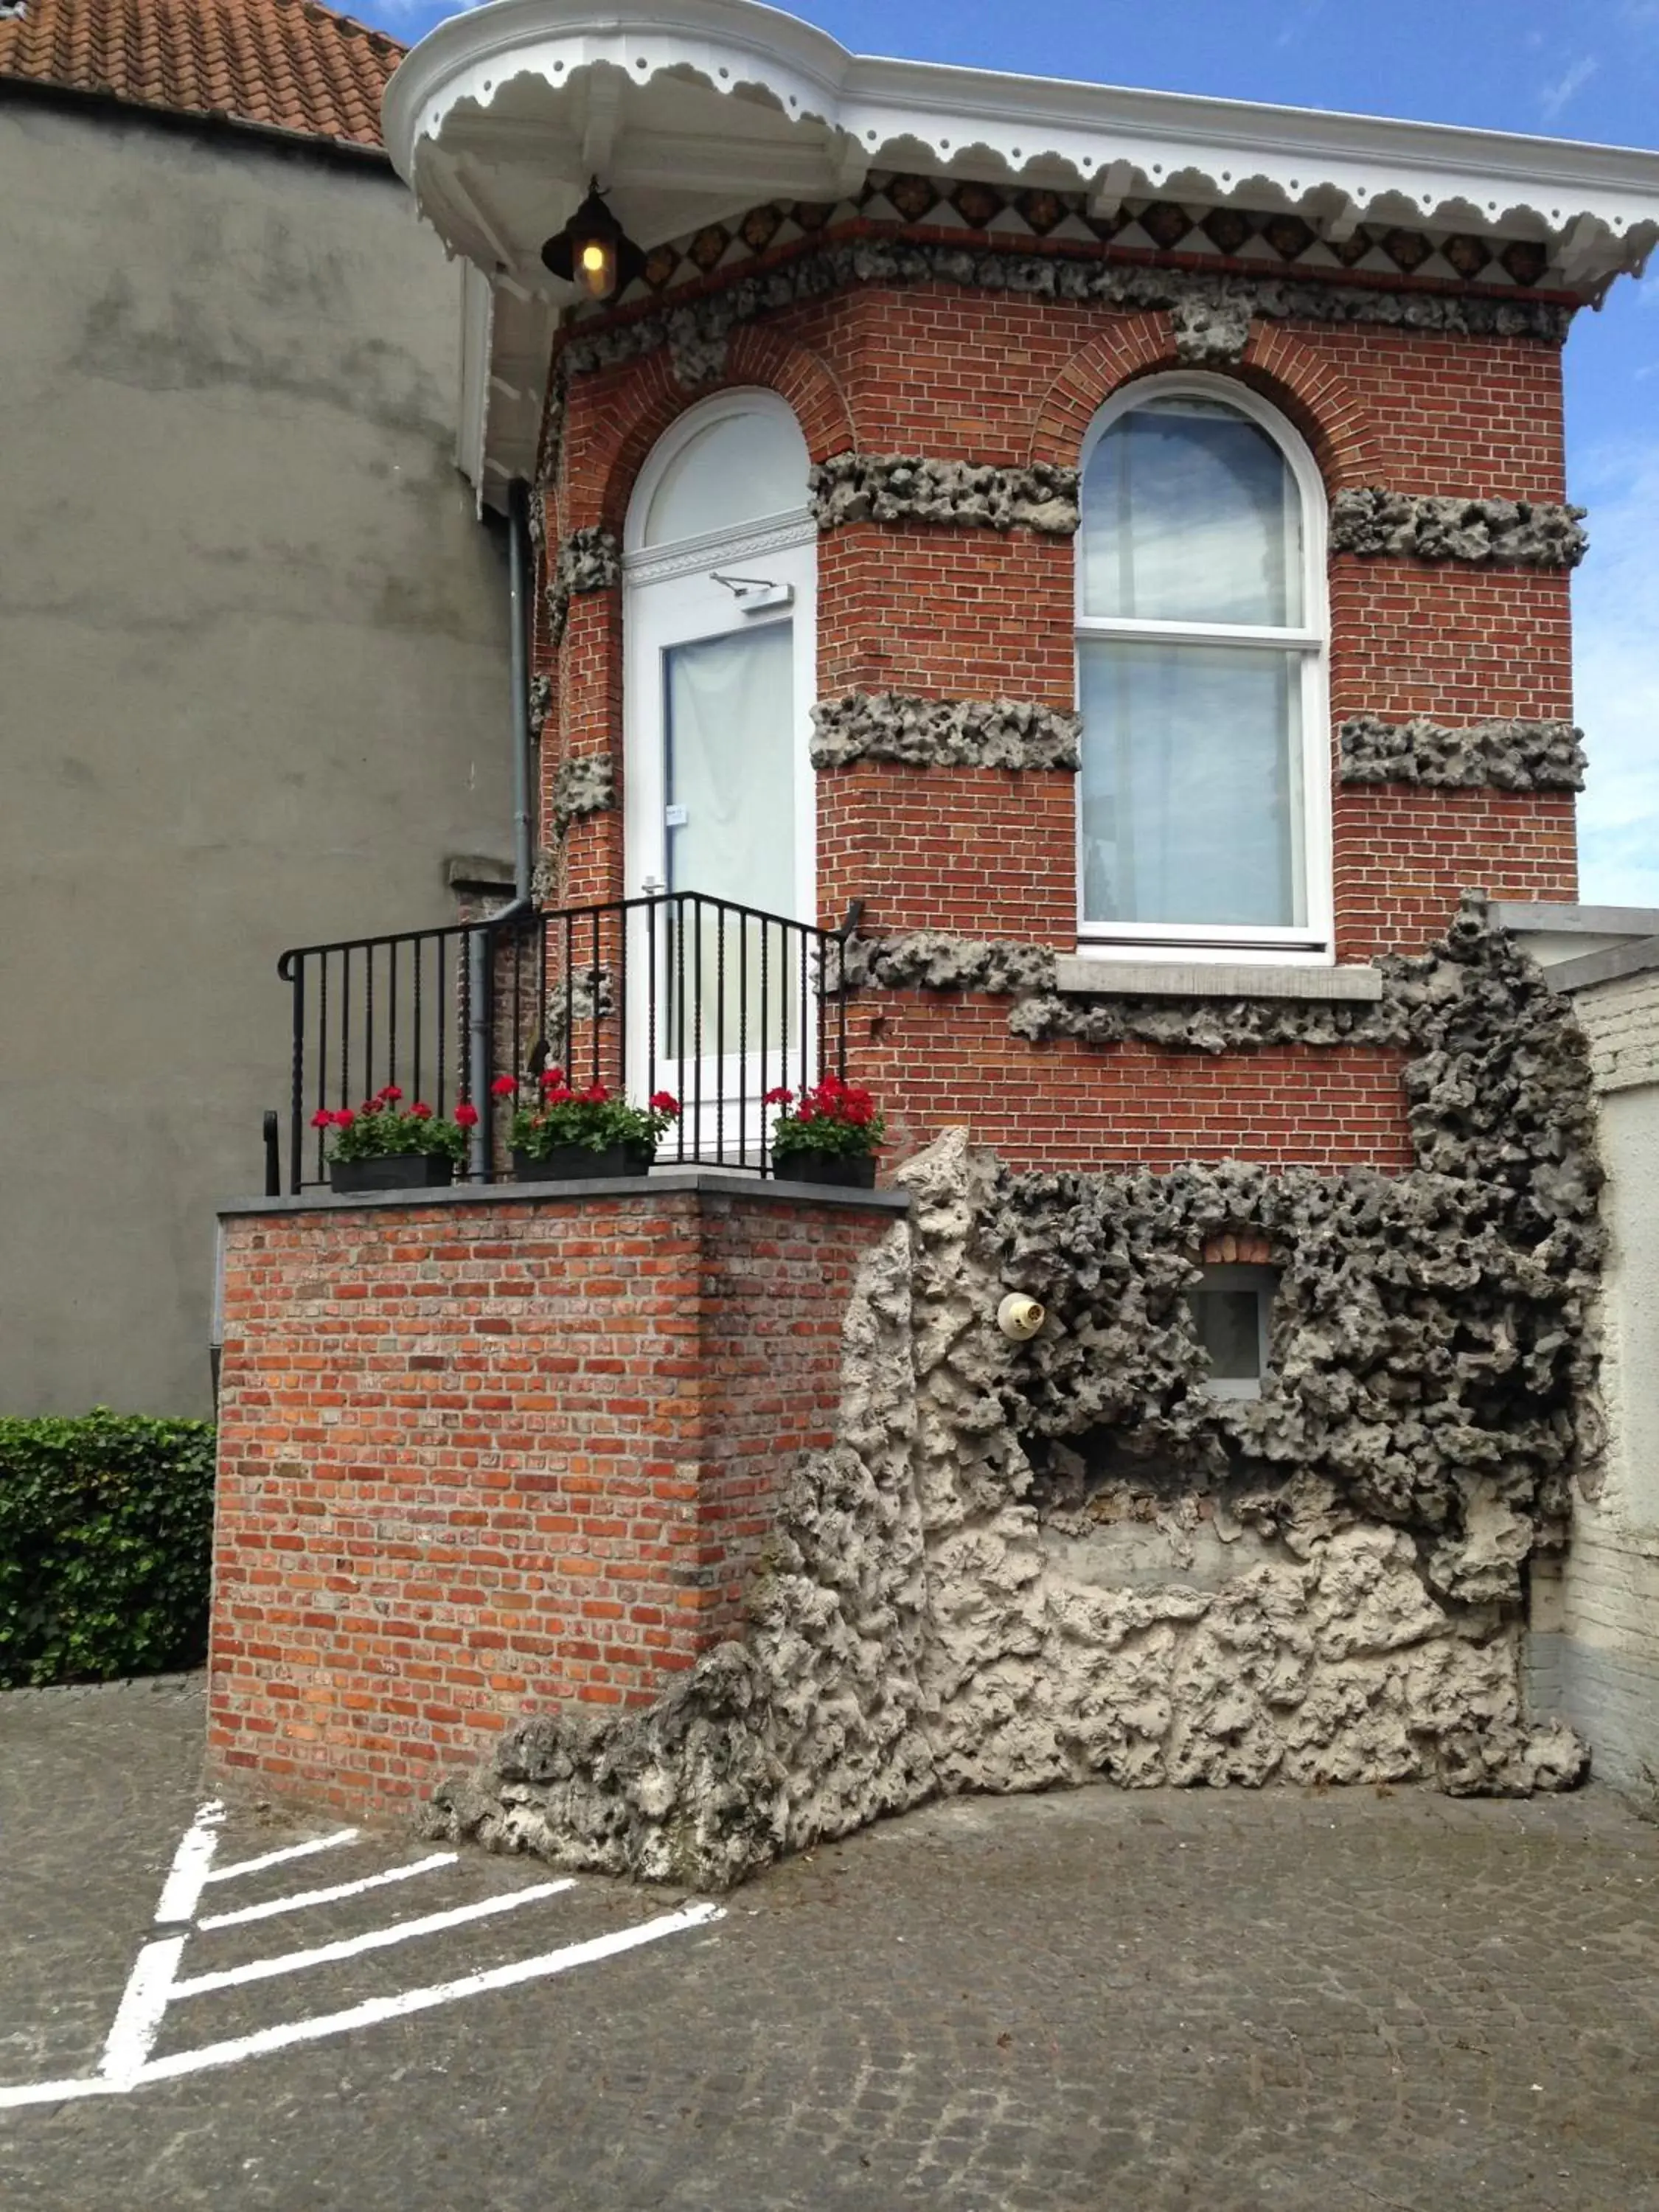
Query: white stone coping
(1076, 974)
(708, 1182)
(1634, 957)
(1541, 916)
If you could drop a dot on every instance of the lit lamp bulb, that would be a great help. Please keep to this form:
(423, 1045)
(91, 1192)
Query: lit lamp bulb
(592, 252)
(596, 270)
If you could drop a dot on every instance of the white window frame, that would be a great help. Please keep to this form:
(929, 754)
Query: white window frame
(1313, 945)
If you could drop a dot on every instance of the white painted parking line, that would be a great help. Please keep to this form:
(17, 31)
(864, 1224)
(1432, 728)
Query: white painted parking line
(153, 1985)
(302, 1898)
(293, 1962)
(468, 1985)
(281, 1858)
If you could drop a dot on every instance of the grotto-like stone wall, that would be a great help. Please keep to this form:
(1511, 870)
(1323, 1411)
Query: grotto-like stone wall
(1505, 754)
(1028, 1564)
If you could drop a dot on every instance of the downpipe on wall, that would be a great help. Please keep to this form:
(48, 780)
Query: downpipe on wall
(480, 946)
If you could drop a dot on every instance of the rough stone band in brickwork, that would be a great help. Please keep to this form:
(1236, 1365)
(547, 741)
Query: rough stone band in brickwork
(540, 703)
(586, 784)
(1533, 532)
(934, 960)
(900, 488)
(1212, 329)
(589, 560)
(1208, 307)
(894, 726)
(1505, 756)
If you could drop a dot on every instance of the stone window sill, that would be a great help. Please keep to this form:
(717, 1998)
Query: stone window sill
(1193, 979)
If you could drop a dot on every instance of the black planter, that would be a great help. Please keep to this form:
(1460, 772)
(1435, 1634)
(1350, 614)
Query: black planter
(393, 1172)
(581, 1163)
(839, 1171)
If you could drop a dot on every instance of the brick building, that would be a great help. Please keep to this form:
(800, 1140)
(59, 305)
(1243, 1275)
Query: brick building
(1106, 555)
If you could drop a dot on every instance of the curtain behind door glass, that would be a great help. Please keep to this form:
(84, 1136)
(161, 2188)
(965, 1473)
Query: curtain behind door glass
(729, 741)
(1191, 788)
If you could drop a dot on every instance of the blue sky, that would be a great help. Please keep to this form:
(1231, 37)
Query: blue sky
(1590, 70)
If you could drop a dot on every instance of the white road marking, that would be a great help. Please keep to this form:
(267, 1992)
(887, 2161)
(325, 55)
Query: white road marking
(277, 1858)
(292, 1962)
(154, 1984)
(440, 1993)
(138, 2016)
(190, 1862)
(300, 1898)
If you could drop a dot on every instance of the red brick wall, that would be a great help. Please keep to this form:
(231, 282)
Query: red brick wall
(484, 1455)
(950, 612)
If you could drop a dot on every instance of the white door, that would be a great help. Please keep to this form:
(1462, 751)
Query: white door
(719, 655)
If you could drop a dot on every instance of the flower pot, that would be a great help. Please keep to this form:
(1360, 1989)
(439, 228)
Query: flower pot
(393, 1172)
(839, 1171)
(581, 1164)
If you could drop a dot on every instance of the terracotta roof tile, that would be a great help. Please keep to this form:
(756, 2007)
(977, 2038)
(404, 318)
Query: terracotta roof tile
(288, 65)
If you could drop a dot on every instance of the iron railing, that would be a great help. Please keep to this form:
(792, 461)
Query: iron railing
(716, 1002)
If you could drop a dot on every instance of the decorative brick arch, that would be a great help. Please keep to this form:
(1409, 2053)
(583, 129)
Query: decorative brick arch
(650, 400)
(1303, 382)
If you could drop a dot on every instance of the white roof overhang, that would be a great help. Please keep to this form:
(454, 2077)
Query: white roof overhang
(690, 112)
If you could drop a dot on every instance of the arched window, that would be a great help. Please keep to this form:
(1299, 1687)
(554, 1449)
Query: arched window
(1201, 625)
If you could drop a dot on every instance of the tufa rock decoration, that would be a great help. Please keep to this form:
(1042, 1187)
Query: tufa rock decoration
(896, 725)
(1532, 533)
(1208, 308)
(1030, 1563)
(1507, 756)
(896, 487)
(539, 704)
(589, 560)
(585, 783)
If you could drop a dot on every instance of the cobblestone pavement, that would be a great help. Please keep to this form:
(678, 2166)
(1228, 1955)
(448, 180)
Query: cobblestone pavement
(1083, 2000)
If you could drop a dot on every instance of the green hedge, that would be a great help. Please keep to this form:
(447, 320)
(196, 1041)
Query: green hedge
(106, 1526)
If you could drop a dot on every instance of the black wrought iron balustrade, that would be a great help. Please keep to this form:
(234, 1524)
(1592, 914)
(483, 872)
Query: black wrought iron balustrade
(712, 1001)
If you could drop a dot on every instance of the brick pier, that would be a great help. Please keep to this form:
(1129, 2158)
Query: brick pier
(482, 1451)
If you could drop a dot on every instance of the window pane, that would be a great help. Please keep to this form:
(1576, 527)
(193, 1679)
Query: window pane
(1229, 1325)
(738, 468)
(1190, 514)
(1191, 786)
(730, 781)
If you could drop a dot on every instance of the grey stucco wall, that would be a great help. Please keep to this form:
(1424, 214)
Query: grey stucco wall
(1595, 1642)
(252, 690)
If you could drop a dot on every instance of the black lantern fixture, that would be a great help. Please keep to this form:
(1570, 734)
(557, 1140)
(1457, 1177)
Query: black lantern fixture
(593, 251)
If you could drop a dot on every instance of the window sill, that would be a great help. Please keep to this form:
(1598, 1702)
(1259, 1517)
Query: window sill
(1083, 977)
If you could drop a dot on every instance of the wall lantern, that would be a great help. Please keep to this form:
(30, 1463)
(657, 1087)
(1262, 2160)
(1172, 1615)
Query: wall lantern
(592, 252)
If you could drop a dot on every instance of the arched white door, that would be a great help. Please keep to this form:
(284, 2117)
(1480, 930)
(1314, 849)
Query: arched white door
(721, 573)
(720, 652)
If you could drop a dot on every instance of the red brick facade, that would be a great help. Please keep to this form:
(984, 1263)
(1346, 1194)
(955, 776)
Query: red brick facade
(494, 1452)
(957, 373)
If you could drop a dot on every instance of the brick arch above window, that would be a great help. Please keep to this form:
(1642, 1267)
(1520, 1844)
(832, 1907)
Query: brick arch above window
(600, 484)
(1299, 378)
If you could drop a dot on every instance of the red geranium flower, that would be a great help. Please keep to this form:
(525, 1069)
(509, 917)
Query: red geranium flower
(664, 1102)
(780, 1097)
(322, 1118)
(466, 1115)
(344, 1118)
(420, 1111)
(391, 1091)
(504, 1086)
(595, 1095)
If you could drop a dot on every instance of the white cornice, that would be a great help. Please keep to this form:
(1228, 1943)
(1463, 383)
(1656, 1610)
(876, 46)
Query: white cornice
(498, 115)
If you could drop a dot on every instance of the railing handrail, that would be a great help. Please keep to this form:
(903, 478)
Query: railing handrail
(522, 919)
(722, 999)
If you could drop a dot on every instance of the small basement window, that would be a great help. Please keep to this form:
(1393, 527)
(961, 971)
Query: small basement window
(1232, 1313)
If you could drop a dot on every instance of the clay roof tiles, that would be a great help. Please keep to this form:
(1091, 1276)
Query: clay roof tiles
(285, 64)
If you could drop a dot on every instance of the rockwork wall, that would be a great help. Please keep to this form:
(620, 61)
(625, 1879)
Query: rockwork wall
(1022, 1564)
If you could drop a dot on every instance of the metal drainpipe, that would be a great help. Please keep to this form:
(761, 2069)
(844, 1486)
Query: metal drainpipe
(478, 1047)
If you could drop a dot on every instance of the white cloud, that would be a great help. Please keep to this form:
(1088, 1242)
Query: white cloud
(1616, 664)
(1554, 97)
